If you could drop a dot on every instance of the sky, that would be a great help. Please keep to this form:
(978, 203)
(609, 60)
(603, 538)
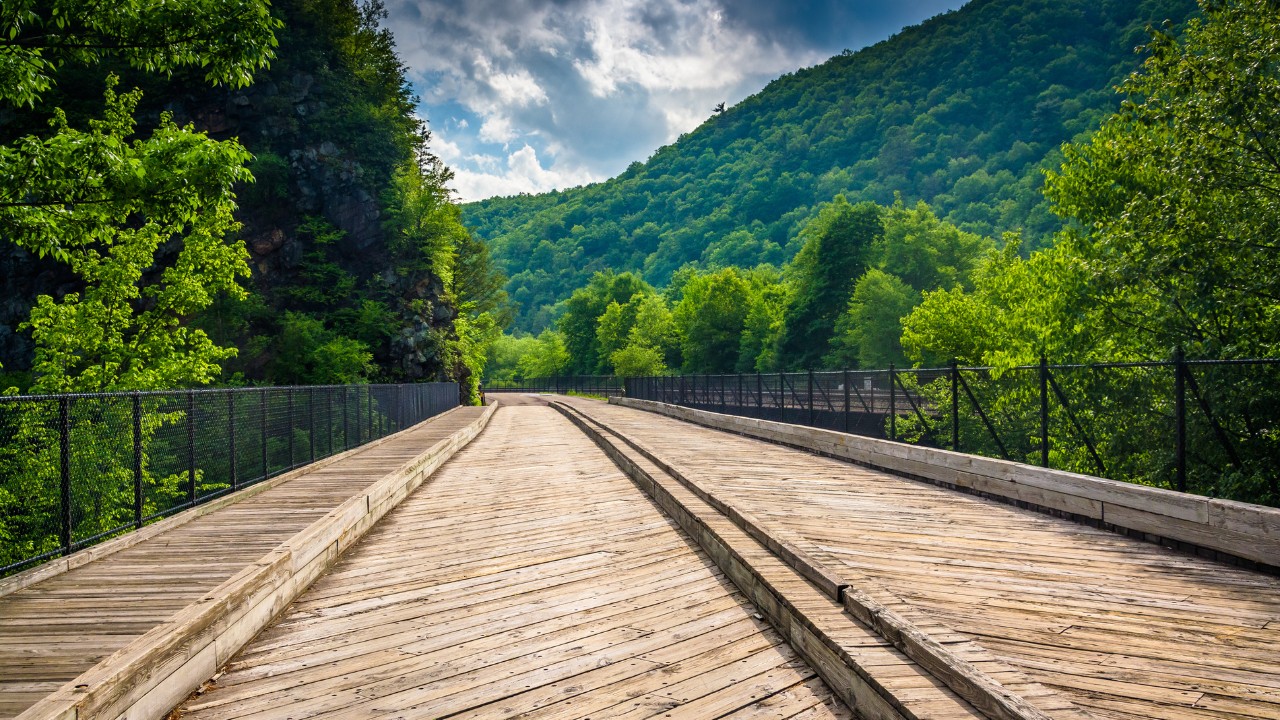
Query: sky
(527, 96)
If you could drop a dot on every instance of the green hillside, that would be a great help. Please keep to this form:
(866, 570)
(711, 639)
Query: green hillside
(963, 112)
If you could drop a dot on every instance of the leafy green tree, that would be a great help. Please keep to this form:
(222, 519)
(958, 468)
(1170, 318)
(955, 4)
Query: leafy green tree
(656, 328)
(613, 327)
(868, 334)
(139, 222)
(837, 244)
(504, 355)
(1016, 310)
(312, 354)
(77, 197)
(918, 253)
(710, 317)
(765, 320)
(926, 252)
(549, 358)
(582, 313)
(634, 360)
(228, 40)
(1174, 201)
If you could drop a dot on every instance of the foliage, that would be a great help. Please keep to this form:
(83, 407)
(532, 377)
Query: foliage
(549, 357)
(228, 40)
(963, 112)
(504, 355)
(1175, 200)
(106, 208)
(637, 360)
(917, 253)
(868, 334)
(837, 244)
(139, 224)
(710, 318)
(583, 310)
(1173, 216)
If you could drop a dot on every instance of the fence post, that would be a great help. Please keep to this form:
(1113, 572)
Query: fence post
(262, 423)
(812, 417)
(231, 439)
(893, 409)
(137, 460)
(1180, 416)
(191, 446)
(368, 397)
(955, 405)
(64, 482)
(288, 404)
(759, 395)
(1044, 411)
(846, 399)
(346, 421)
(311, 417)
(782, 397)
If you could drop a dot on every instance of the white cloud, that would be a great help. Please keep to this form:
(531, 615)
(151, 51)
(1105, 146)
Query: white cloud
(497, 129)
(523, 174)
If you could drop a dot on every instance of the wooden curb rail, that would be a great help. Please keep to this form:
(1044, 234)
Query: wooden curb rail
(148, 677)
(962, 677)
(1242, 533)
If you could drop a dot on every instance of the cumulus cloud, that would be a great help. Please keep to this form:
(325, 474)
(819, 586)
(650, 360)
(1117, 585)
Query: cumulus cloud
(523, 173)
(530, 95)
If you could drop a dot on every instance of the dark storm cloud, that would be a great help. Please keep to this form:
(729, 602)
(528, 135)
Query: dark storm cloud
(527, 95)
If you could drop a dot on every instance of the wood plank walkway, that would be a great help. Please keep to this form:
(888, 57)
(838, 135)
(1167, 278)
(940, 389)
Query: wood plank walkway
(1124, 629)
(52, 631)
(528, 577)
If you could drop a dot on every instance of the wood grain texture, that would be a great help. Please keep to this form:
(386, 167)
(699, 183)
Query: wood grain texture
(54, 630)
(529, 578)
(992, 687)
(868, 673)
(1123, 629)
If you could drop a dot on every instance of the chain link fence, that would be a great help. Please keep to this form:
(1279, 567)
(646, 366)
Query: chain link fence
(1206, 427)
(77, 469)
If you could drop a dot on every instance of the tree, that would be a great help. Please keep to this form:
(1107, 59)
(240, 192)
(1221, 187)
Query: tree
(1016, 310)
(112, 209)
(1175, 202)
(549, 357)
(229, 40)
(868, 334)
(710, 318)
(582, 313)
(635, 360)
(757, 350)
(835, 252)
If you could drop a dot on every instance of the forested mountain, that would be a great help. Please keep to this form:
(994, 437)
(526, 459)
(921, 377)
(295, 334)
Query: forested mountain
(355, 262)
(963, 112)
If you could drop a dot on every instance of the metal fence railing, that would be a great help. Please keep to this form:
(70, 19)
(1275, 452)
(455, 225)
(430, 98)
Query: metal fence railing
(76, 469)
(602, 385)
(1205, 427)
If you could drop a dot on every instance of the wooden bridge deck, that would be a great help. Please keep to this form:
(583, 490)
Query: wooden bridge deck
(532, 577)
(529, 577)
(53, 630)
(1123, 629)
